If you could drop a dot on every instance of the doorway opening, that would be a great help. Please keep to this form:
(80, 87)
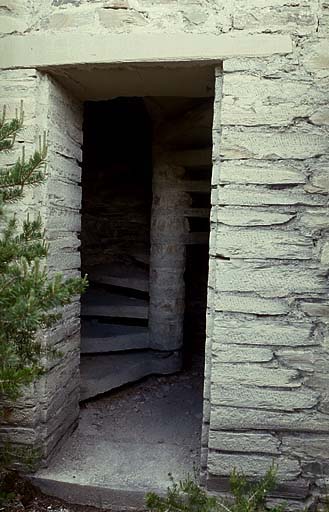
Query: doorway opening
(146, 181)
(145, 228)
(115, 238)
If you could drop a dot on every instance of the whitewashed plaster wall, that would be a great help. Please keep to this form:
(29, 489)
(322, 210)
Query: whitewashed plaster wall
(266, 384)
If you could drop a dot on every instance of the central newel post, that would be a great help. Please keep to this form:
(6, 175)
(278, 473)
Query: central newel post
(167, 265)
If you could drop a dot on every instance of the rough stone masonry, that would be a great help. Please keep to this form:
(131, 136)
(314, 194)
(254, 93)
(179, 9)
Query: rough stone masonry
(266, 381)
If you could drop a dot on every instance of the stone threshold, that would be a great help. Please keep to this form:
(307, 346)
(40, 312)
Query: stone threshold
(90, 495)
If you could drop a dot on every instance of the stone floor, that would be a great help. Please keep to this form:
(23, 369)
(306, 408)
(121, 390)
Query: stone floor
(128, 441)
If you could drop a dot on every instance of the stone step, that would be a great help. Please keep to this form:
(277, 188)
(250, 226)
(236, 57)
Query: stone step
(140, 256)
(128, 276)
(107, 474)
(97, 337)
(102, 373)
(98, 302)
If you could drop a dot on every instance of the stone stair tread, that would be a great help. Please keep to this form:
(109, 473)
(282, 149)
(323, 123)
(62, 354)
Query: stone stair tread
(102, 373)
(97, 337)
(125, 276)
(141, 257)
(98, 302)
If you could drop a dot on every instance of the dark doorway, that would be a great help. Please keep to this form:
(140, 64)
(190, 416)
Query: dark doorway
(144, 396)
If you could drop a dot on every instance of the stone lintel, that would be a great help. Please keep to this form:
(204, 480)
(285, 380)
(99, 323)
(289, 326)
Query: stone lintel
(63, 49)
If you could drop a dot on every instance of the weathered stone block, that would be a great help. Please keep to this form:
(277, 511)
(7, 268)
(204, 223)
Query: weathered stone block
(320, 116)
(119, 20)
(269, 280)
(65, 338)
(65, 243)
(306, 446)
(13, 24)
(235, 195)
(297, 142)
(319, 182)
(306, 359)
(244, 442)
(294, 493)
(70, 18)
(65, 169)
(238, 354)
(251, 216)
(261, 173)
(116, 4)
(252, 243)
(61, 194)
(232, 419)
(267, 102)
(316, 308)
(262, 332)
(61, 221)
(274, 67)
(236, 395)
(254, 375)
(19, 435)
(19, 416)
(324, 19)
(222, 464)
(315, 57)
(315, 219)
(250, 304)
(57, 3)
(62, 396)
(64, 427)
(63, 145)
(325, 254)
(59, 376)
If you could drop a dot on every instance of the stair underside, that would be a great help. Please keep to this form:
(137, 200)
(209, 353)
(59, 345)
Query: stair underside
(98, 302)
(128, 276)
(102, 373)
(99, 337)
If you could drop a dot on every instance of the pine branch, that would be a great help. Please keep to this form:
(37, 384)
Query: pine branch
(23, 174)
(29, 299)
(10, 129)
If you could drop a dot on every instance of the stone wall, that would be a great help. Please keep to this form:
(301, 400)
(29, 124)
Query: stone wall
(266, 382)
(49, 409)
(268, 322)
(22, 424)
(61, 386)
(268, 342)
(305, 20)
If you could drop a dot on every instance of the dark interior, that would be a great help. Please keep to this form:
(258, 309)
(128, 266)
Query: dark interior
(116, 182)
(116, 211)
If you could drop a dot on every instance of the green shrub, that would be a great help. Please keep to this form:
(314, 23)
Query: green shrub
(188, 496)
(30, 299)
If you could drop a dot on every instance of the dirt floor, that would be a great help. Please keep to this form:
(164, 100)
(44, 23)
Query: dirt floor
(30, 499)
(131, 439)
(159, 414)
(45, 504)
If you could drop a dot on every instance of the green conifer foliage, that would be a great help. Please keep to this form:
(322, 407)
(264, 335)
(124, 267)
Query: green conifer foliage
(29, 298)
